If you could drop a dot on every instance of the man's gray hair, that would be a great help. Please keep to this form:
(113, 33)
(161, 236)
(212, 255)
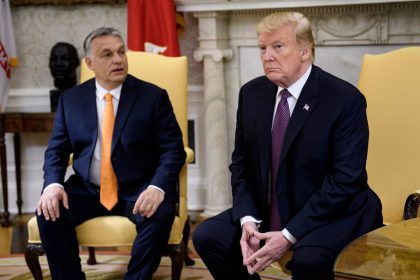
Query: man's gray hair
(101, 31)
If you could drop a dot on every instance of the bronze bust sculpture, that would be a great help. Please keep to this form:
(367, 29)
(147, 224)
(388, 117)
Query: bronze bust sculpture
(63, 64)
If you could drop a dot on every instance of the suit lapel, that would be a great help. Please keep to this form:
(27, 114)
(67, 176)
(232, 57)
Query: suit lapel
(266, 102)
(124, 107)
(304, 106)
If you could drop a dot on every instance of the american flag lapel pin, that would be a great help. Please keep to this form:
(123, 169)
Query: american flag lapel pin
(306, 107)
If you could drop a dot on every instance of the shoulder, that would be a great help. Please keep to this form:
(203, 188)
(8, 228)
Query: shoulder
(257, 83)
(335, 88)
(257, 87)
(138, 85)
(79, 92)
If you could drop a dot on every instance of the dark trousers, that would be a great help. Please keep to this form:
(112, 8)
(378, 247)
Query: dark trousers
(62, 249)
(216, 240)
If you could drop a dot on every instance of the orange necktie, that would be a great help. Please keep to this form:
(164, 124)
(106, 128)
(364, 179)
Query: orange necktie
(108, 194)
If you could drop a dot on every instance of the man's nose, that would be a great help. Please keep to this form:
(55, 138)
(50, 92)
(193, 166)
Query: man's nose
(117, 58)
(268, 54)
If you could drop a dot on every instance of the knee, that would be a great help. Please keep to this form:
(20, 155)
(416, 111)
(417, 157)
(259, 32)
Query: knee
(312, 264)
(43, 224)
(201, 238)
(301, 263)
(164, 215)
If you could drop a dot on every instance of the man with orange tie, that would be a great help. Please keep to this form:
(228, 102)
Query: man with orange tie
(127, 154)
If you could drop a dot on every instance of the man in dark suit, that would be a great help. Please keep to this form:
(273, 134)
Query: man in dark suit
(298, 166)
(145, 158)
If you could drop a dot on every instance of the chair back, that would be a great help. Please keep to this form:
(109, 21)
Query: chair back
(391, 84)
(169, 73)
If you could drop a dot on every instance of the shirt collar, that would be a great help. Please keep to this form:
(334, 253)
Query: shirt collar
(100, 91)
(296, 88)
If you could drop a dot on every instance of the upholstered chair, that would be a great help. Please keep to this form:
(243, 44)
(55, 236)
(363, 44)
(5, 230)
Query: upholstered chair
(170, 73)
(391, 84)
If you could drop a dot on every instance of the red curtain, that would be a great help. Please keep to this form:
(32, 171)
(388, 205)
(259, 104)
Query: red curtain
(152, 27)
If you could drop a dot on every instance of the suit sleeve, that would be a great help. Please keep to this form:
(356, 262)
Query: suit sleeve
(346, 175)
(58, 151)
(243, 183)
(171, 149)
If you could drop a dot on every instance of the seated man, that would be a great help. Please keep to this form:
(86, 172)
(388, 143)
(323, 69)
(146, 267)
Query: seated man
(299, 180)
(127, 154)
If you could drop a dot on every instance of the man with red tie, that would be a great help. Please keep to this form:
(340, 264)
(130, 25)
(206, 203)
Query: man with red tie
(298, 167)
(127, 154)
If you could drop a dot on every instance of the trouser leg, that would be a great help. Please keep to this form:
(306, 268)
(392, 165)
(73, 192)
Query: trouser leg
(59, 237)
(151, 241)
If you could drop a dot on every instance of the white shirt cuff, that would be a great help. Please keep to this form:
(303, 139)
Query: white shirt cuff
(155, 187)
(245, 219)
(285, 232)
(288, 236)
(53, 185)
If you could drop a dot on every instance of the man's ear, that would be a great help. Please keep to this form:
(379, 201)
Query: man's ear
(306, 53)
(88, 63)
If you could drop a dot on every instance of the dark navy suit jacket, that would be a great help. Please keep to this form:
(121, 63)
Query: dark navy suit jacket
(322, 191)
(147, 146)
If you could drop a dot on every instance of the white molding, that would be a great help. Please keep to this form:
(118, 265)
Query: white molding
(203, 6)
(28, 100)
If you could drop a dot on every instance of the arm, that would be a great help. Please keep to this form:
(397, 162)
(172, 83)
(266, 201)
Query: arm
(345, 170)
(171, 158)
(55, 166)
(242, 180)
(171, 148)
(58, 151)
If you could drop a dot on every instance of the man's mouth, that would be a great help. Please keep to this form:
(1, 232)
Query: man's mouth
(117, 70)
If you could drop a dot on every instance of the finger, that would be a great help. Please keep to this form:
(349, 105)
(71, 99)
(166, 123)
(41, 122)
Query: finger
(137, 206)
(38, 208)
(244, 251)
(256, 256)
(261, 235)
(145, 207)
(151, 211)
(45, 211)
(51, 212)
(260, 265)
(135, 211)
(249, 268)
(66, 201)
(56, 207)
(244, 246)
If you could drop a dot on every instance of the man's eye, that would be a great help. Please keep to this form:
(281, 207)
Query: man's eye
(262, 49)
(277, 47)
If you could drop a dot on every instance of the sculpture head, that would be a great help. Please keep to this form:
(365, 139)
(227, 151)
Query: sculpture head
(64, 61)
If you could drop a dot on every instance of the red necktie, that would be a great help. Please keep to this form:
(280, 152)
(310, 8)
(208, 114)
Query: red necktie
(281, 120)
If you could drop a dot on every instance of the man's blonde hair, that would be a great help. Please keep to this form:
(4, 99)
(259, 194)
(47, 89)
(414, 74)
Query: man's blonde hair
(303, 29)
